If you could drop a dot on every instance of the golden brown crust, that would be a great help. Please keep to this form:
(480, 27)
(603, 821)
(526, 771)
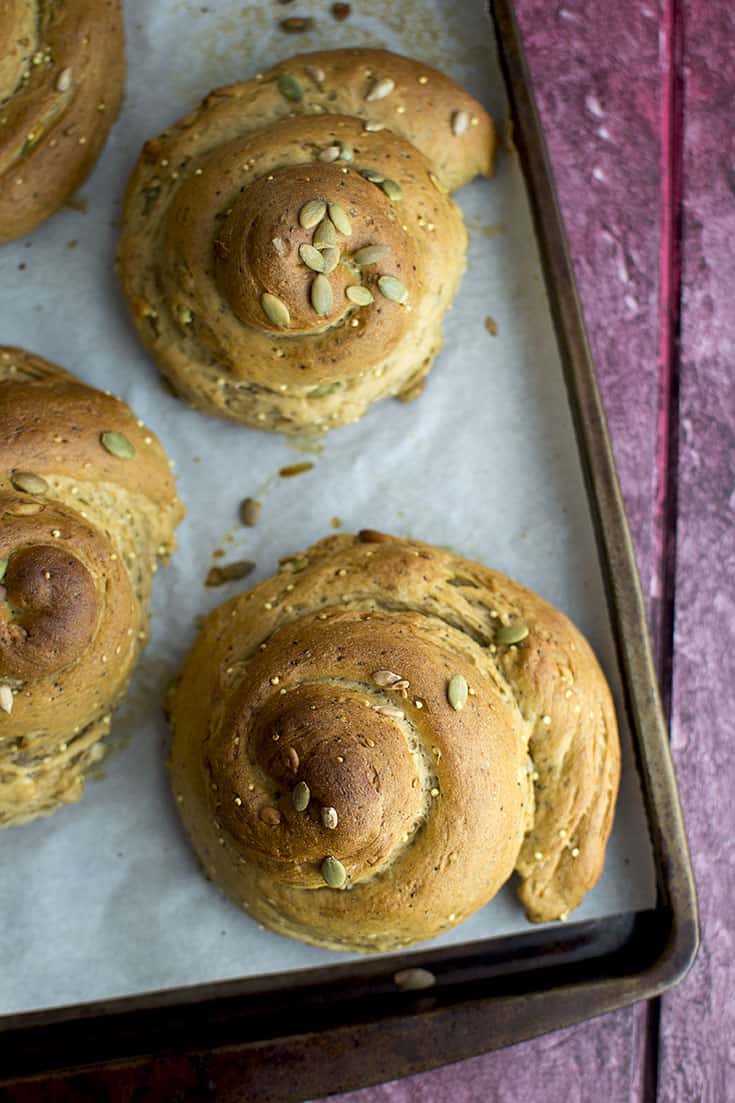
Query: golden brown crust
(212, 223)
(434, 806)
(81, 529)
(62, 76)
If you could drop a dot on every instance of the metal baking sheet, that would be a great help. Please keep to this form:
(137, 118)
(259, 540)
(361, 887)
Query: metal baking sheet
(107, 893)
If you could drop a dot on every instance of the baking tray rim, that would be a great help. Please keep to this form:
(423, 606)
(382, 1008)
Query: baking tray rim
(455, 1020)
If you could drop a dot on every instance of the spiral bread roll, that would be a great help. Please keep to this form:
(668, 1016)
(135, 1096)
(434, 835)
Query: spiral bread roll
(289, 248)
(367, 744)
(62, 73)
(87, 506)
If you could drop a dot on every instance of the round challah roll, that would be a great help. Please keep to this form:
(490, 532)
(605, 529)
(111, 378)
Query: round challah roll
(289, 248)
(87, 507)
(62, 73)
(366, 745)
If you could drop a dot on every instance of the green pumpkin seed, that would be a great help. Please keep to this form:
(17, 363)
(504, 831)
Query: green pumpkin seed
(460, 122)
(372, 175)
(341, 219)
(393, 289)
(369, 254)
(330, 818)
(359, 295)
(278, 245)
(311, 213)
(373, 127)
(321, 295)
(380, 89)
(63, 81)
(347, 153)
(511, 633)
(6, 704)
(274, 310)
(289, 87)
(300, 796)
(311, 257)
(117, 445)
(29, 483)
(385, 677)
(331, 257)
(325, 236)
(333, 872)
(457, 691)
(3, 568)
(330, 154)
(392, 189)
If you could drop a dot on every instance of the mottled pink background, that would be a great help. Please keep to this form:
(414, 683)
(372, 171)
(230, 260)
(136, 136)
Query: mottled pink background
(638, 102)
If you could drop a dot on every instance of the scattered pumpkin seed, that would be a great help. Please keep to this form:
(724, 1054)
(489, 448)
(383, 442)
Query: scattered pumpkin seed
(373, 127)
(274, 310)
(311, 213)
(392, 189)
(63, 81)
(347, 153)
(330, 154)
(250, 511)
(331, 257)
(330, 818)
(325, 236)
(369, 254)
(6, 699)
(333, 872)
(385, 677)
(321, 295)
(460, 122)
(300, 796)
(297, 24)
(278, 245)
(372, 175)
(29, 483)
(438, 184)
(393, 289)
(230, 572)
(311, 257)
(359, 295)
(413, 980)
(340, 218)
(457, 691)
(117, 445)
(3, 568)
(380, 89)
(289, 87)
(23, 509)
(514, 632)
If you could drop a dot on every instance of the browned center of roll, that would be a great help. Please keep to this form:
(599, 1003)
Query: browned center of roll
(49, 612)
(285, 252)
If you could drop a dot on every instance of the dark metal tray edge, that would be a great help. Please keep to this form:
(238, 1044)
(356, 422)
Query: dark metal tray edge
(249, 1035)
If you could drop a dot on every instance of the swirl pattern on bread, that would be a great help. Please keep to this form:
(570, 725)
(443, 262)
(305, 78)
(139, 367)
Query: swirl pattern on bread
(87, 508)
(62, 74)
(366, 745)
(289, 248)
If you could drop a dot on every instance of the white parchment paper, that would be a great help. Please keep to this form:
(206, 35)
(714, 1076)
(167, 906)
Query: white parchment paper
(104, 898)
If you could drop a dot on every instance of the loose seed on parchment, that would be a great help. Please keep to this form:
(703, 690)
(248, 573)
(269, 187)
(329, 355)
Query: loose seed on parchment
(250, 511)
(117, 445)
(413, 980)
(297, 24)
(230, 572)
